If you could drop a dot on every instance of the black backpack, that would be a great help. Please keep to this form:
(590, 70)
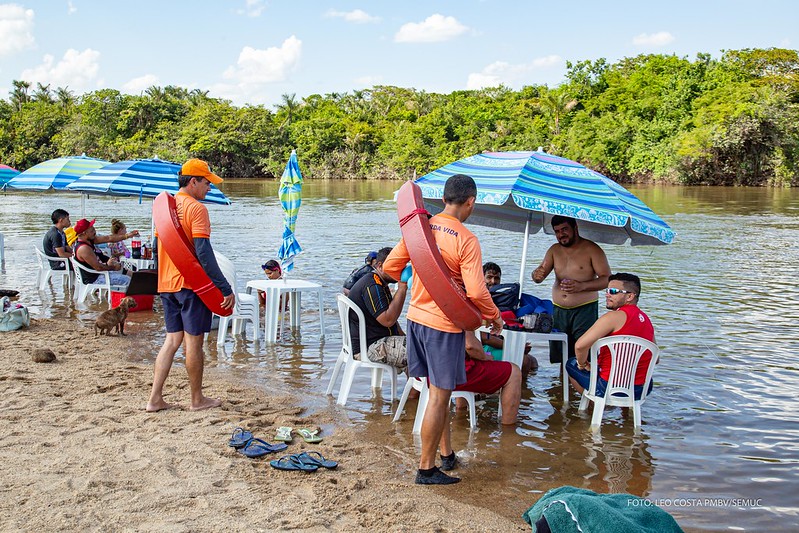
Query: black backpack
(505, 296)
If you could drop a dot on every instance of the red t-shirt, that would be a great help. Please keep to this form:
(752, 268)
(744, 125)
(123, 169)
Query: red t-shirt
(637, 324)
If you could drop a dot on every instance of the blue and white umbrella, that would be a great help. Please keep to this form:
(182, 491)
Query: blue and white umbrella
(55, 173)
(6, 173)
(290, 194)
(522, 191)
(139, 177)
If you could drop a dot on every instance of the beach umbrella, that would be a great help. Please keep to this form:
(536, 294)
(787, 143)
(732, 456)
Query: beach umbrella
(55, 173)
(6, 173)
(138, 177)
(290, 194)
(522, 191)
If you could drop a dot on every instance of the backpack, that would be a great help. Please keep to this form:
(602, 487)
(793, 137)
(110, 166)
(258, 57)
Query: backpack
(13, 316)
(505, 296)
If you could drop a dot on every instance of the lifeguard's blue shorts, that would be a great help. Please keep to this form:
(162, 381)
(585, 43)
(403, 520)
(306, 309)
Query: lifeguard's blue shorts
(438, 355)
(583, 377)
(185, 311)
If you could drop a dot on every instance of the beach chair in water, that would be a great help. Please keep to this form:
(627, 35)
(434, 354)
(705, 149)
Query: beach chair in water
(625, 353)
(245, 310)
(348, 362)
(46, 272)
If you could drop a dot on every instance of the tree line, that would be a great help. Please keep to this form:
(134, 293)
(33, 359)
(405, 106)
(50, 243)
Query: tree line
(733, 120)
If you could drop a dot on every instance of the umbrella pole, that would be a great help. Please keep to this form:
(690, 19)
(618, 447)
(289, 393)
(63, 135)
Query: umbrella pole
(524, 253)
(82, 205)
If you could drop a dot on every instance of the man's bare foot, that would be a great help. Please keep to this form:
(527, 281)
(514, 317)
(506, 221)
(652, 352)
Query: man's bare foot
(206, 403)
(154, 407)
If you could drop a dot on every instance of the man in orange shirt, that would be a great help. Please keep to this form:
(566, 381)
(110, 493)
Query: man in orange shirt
(437, 347)
(186, 317)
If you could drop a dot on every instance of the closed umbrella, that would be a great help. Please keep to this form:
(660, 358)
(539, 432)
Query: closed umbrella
(290, 194)
(138, 177)
(522, 191)
(6, 173)
(55, 173)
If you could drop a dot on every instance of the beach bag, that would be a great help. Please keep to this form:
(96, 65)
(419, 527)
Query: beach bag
(505, 296)
(538, 322)
(14, 316)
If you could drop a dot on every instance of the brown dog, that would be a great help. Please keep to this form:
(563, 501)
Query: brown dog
(114, 318)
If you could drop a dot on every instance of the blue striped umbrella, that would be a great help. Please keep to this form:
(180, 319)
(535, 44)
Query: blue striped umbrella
(290, 194)
(6, 173)
(521, 191)
(55, 173)
(139, 177)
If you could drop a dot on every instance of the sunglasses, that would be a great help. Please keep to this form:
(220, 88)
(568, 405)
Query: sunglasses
(614, 292)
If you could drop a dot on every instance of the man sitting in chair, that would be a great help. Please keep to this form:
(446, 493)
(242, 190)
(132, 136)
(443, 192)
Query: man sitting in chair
(385, 340)
(87, 255)
(624, 318)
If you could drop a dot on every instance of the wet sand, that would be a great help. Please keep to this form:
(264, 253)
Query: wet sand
(79, 452)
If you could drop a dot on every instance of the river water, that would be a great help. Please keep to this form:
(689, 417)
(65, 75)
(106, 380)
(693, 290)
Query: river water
(719, 448)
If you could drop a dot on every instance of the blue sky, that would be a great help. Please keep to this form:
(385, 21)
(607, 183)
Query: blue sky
(253, 51)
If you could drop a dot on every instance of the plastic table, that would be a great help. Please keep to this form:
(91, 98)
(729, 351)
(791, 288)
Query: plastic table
(274, 289)
(513, 349)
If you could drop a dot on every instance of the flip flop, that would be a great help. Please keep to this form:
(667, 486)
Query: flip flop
(309, 435)
(240, 438)
(284, 434)
(259, 447)
(293, 462)
(316, 458)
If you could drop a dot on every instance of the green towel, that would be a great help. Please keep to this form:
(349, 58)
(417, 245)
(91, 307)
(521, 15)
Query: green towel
(566, 507)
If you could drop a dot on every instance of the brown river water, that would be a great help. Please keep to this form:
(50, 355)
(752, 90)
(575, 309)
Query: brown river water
(719, 448)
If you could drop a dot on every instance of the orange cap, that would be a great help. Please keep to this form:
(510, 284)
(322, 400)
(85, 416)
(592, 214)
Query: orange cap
(200, 169)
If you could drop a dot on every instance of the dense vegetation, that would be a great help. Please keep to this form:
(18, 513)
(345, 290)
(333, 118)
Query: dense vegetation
(728, 121)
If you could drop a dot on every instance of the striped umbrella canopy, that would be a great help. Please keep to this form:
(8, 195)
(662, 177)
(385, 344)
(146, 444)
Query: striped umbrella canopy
(6, 173)
(55, 173)
(290, 194)
(522, 191)
(138, 177)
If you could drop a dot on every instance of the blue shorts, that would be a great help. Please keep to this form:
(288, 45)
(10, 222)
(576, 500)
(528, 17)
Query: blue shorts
(185, 311)
(437, 355)
(583, 377)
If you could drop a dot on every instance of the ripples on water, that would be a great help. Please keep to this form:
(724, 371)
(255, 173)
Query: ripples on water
(724, 300)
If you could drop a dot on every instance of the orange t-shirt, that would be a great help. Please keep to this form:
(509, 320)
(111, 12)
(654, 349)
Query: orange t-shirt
(196, 223)
(461, 252)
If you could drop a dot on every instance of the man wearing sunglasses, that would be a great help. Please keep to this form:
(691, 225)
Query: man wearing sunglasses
(581, 269)
(623, 318)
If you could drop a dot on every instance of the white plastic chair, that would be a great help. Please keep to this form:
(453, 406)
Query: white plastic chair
(246, 308)
(420, 384)
(346, 359)
(46, 271)
(625, 353)
(100, 286)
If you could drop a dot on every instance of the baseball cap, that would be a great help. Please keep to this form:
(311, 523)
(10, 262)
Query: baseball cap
(200, 169)
(370, 257)
(83, 224)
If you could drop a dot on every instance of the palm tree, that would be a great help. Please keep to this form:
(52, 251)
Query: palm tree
(19, 95)
(64, 97)
(557, 104)
(42, 94)
(289, 105)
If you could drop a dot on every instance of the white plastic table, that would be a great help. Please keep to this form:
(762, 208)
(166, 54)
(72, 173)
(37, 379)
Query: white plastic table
(274, 288)
(513, 350)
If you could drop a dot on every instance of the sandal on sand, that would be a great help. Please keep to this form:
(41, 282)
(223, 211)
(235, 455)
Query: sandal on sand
(293, 462)
(258, 447)
(309, 435)
(240, 438)
(316, 458)
(284, 434)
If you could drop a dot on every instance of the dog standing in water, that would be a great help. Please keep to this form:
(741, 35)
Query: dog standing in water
(114, 318)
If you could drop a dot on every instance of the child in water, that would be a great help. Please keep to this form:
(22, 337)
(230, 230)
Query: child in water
(273, 271)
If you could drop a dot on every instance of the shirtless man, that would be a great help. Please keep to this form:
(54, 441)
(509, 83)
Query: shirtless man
(581, 269)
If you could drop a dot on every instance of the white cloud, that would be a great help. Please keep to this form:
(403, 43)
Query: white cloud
(433, 29)
(660, 38)
(504, 73)
(368, 81)
(77, 70)
(16, 29)
(71, 8)
(256, 69)
(357, 16)
(138, 85)
(252, 8)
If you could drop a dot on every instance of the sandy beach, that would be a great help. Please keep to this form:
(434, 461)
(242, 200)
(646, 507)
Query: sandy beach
(80, 453)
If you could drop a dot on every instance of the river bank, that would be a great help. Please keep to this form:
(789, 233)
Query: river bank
(79, 451)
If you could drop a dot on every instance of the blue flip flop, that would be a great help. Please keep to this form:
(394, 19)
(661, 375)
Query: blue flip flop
(293, 462)
(259, 447)
(316, 458)
(240, 438)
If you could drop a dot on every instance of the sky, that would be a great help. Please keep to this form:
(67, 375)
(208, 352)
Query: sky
(254, 51)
